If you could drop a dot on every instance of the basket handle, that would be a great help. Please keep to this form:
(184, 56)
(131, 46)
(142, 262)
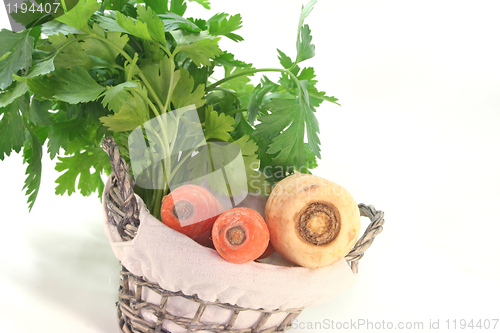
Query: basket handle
(364, 242)
(123, 210)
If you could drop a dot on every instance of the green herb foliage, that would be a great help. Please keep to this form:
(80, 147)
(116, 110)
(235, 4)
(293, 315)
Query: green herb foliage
(101, 69)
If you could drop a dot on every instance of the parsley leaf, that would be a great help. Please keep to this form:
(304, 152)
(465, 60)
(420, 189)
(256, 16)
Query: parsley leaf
(54, 27)
(133, 113)
(21, 44)
(134, 27)
(10, 95)
(305, 49)
(241, 84)
(159, 6)
(316, 97)
(204, 3)
(32, 155)
(74, 86)
(258, 99)
(67, 52)
(61, 133)
(306, 10)
(242, 127)
(201, 51)
(220, 25)
(227, 59)
(43, 63)
(115, 96)
(117, 4)
(101, 49)
(79, 15)
(256, 180)
(73, 126)
(178, 7)
(39, 113)
(185, 93)
(79, 166)
(173, 21)
(107, 21)
(286, 61)
(158, 75)
(221, 166)
(239, 172)
(311, 122)
(285, 125)
(217, 126)
(154, 23)
(147, 26)
(11, 130)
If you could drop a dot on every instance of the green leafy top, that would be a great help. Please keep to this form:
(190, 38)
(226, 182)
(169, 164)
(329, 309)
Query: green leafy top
(97, 69)
(19, 58)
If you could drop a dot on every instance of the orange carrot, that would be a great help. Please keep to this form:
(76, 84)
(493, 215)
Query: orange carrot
(269, 250)
(191, 210)
(257, 202)
(240, 235)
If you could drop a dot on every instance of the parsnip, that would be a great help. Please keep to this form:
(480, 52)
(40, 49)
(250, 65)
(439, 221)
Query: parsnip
(312, 222)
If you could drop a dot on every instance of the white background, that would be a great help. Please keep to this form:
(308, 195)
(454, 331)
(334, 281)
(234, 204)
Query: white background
(417, 136)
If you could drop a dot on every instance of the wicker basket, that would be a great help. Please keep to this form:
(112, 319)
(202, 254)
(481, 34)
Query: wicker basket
(136, 311)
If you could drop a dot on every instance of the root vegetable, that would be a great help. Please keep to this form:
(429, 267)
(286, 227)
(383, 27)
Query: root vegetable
(240, 235)
(267, 252)
(312, 222)
(257, 202)
(191, 210)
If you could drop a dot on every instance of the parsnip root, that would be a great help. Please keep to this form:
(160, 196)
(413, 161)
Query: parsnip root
(312, 222)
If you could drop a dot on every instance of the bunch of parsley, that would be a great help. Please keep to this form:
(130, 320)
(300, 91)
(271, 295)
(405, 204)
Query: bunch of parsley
(100, 69)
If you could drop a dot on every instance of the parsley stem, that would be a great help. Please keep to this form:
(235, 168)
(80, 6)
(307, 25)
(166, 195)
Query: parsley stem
(150, 103)
(183, 160)
(232, 93)
(244, 73)
(164, 48)
(162, 140)
(131, 61)
(230, 113)
(158, 194)
(165, 145)
(130, 49)
(170, 93)
(134, 62)
(297, 82)
(150, 89)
